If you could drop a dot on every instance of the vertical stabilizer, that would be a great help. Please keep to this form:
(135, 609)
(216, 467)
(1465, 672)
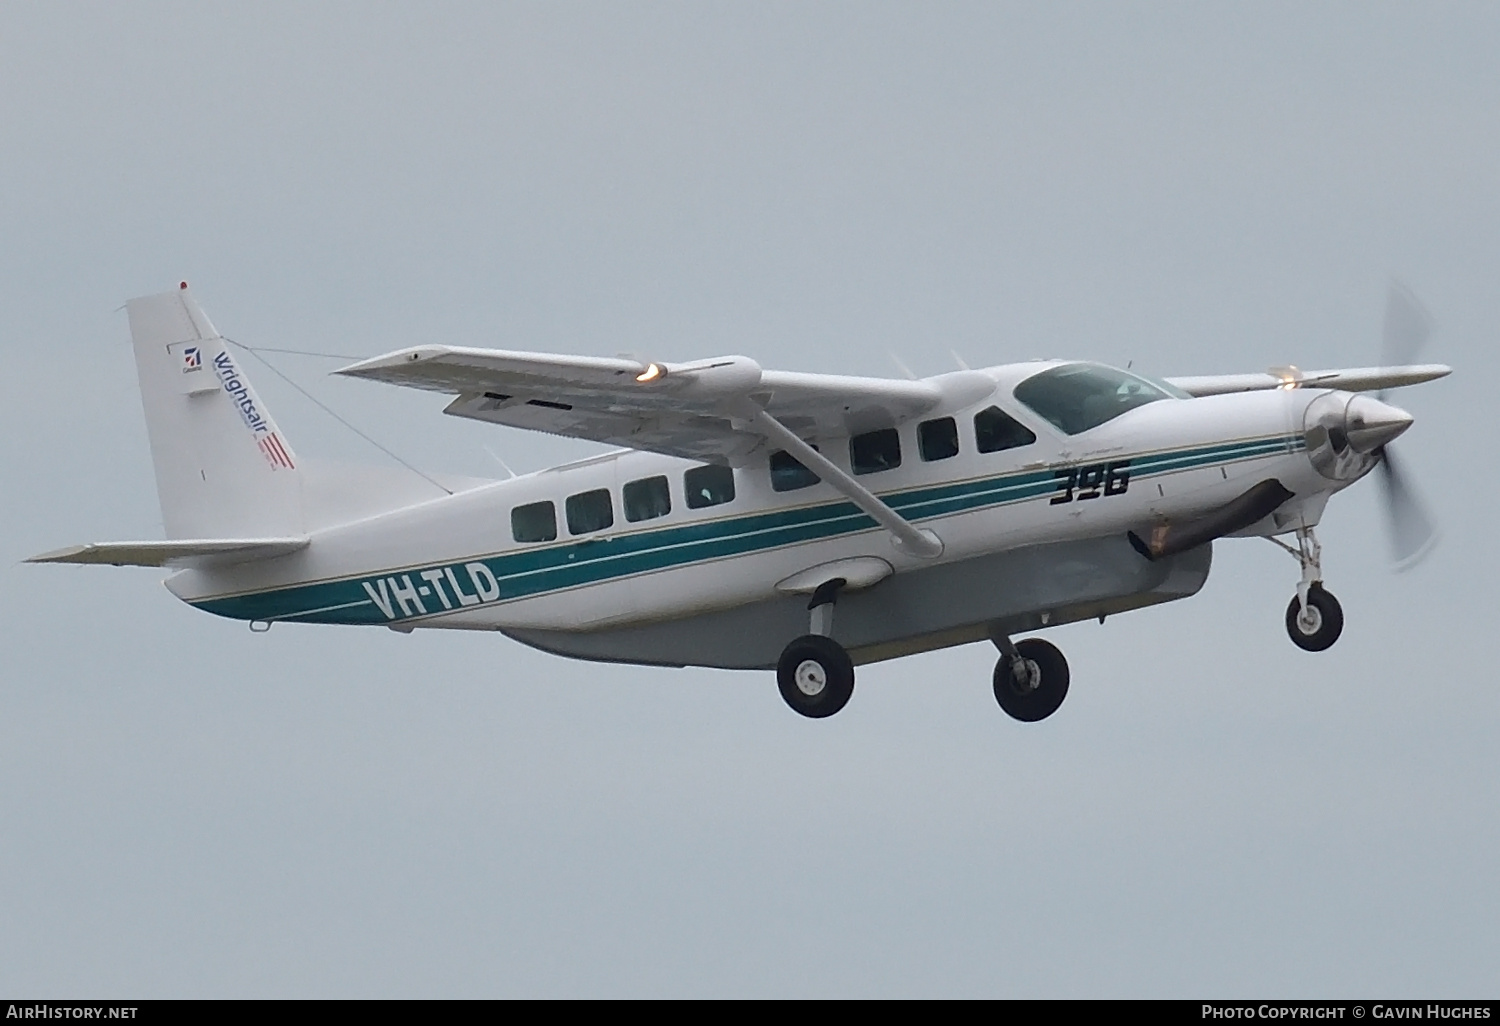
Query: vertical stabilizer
(223, 469)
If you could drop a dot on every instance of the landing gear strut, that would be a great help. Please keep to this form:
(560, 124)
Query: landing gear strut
(1031, 678)
(1314, 619)
(815, 674)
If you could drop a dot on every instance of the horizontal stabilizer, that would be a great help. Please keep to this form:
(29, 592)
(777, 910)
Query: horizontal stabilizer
(173, 553)
(1351, 379)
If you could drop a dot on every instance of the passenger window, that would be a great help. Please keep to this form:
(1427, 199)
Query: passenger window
(787, 475)
(590, 511)
(647, 499)
(994, 429)
(536, 522)
(874, 451)
(708, 486)
(937, 439)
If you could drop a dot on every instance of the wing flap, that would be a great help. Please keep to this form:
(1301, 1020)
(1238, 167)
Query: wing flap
(173, 553)
(688, 435)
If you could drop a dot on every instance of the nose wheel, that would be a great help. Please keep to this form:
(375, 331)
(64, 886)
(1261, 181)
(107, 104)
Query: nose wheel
(1314, 620)
(1317, 622)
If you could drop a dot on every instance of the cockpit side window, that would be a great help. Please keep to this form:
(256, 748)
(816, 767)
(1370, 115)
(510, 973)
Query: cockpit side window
(994, 430)
(1078, 396)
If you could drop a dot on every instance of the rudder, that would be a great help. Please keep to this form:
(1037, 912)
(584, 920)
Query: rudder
(223, 469)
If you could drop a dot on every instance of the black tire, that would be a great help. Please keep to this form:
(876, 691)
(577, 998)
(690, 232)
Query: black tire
(813, 661)
(1038, 697)
(1325, 616)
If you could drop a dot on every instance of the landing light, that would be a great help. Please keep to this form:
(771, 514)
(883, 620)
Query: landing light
(651, 373)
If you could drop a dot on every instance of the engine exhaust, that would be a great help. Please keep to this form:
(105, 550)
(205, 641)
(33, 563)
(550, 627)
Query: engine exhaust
(1240, 512)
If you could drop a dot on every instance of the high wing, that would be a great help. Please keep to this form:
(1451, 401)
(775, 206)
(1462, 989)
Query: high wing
(702, 410)
(722, 410)
(1355, 379)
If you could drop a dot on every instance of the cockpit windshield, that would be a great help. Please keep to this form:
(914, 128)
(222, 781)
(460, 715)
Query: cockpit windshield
(1078, 396)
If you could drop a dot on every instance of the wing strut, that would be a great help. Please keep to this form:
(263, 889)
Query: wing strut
(916, 541)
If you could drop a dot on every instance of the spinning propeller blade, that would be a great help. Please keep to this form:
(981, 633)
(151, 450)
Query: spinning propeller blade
(1408, 325)
(1412, 530)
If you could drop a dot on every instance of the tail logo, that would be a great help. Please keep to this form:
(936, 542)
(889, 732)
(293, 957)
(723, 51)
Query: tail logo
(192, 359)
(276, 452)
(271, 445)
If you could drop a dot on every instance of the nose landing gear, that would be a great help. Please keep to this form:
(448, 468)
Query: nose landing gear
(1314, 620)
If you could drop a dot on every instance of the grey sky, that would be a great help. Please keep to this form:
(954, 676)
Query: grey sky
(192, 810)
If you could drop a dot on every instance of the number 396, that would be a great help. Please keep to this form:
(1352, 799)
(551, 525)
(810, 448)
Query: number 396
(1091, 481)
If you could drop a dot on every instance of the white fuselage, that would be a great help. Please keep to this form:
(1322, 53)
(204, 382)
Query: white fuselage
(454, 562)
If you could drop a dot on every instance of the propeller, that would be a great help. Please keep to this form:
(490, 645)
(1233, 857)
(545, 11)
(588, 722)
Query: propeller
(1407, 327)
(1410, 527)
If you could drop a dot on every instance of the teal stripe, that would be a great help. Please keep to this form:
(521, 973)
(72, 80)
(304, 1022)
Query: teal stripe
(535, 571)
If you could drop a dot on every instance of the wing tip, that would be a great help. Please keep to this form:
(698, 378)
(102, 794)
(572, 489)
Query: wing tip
(389, 361)
(68, 554)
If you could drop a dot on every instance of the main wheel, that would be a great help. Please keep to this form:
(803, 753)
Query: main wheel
(816, 676)
(1320, 626)
(1042, 690)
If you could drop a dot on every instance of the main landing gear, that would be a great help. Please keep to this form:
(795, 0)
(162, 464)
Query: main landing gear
(814, 673)
(1314, 619)
(816, 676)
(1031, 678)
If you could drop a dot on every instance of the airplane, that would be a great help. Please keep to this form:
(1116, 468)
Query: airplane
(745, 507)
